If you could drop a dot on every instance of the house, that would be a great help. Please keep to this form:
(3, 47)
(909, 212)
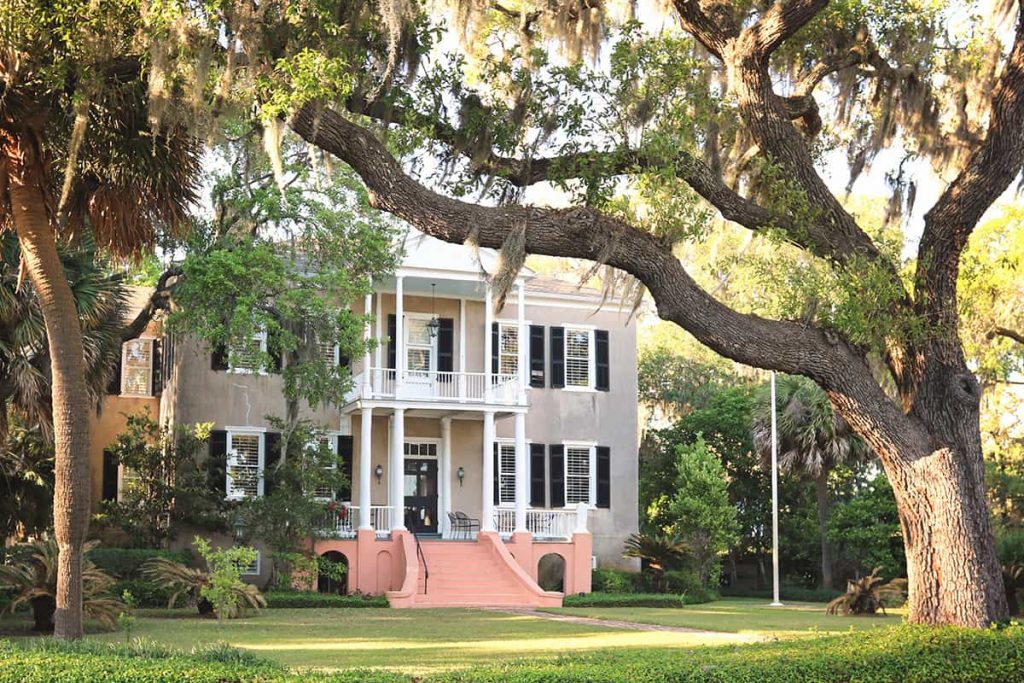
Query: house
(524, 419)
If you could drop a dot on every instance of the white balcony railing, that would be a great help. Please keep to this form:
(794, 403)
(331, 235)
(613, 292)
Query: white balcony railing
(543, 524)
(459, 387)
(343, 521)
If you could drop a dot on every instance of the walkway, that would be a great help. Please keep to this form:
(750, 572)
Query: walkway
(630, 625)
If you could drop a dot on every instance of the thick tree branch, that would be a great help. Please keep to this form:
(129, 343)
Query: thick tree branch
(711, 22)
(159, 300)
(1015, 335)
(987, 173)
(782, 20)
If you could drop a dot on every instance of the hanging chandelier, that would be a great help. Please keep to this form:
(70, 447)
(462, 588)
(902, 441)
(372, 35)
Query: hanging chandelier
(435, 323)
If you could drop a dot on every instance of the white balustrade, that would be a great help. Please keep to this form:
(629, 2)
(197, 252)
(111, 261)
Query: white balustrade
(341, 521)
(461, 387)
(380, 519)
(543, 524)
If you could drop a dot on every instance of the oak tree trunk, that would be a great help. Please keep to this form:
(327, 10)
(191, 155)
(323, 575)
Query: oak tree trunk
(821, 493)
(26, 183)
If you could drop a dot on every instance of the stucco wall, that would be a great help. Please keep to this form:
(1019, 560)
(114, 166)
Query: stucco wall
(104, 428)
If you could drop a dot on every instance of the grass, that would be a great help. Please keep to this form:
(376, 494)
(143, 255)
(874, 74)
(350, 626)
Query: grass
(743, 616)
(425, 641)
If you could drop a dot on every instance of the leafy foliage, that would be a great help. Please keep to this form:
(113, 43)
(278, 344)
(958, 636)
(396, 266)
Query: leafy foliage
(33, 581)
(26, 480)
(658, 553)
(868, 595)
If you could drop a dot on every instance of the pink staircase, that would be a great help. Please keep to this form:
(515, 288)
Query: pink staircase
(478, 573)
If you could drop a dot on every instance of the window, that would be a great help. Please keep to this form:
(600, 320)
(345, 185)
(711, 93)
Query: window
(329, 352)
(506, 473)
(418, 449)
(128, 480)
(137, 367)
(254, 568)
(331, 443)
(419, 345)
(245, 464)
(508, 349)
(578, 474)
(249, 358)
(578, 357)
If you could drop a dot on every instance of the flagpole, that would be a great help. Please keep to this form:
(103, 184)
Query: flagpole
(775, 502)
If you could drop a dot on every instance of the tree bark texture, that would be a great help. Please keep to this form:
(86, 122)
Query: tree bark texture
(821, 493)
(928, 440)
(26, 191)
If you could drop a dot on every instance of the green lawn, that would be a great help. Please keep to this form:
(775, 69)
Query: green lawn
(741, 615)
(422, 641)
(412, 641)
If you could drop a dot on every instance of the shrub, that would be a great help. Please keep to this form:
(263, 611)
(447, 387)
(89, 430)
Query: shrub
(897, 655)
(295, 599)
(147, 593)
(687, 582)
(615, 581)
(626, 600)
(791, 593)
(126, 563)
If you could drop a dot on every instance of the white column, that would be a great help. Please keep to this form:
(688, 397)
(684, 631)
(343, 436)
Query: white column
(397, 473)
(521, 476)
(380, 332)
(365, 443)
(523, 341)
(399, 340)
(462, 348)
(487, 490)
(367, 372)
(488, 323)
(446, 473)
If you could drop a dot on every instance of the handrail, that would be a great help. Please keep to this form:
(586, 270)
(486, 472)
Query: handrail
(419, 553)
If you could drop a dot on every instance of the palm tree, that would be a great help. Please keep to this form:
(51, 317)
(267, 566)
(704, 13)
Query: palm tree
(81, 147)
(100, 298)
(813, 441)
(658, 552)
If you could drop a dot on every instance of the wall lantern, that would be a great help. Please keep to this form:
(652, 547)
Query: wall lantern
(461, 474)
(379, 471)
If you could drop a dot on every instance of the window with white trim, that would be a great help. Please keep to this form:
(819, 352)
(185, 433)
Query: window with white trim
(246, 460)
(137, 367)
(330, 442)
(506, 473)
(421, 449)
(579, 474)
(248, 358)
(127, 481)
(254, 568)
(508, 348)
(579, 357)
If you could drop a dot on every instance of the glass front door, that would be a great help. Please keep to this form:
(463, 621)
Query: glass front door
(421, 495)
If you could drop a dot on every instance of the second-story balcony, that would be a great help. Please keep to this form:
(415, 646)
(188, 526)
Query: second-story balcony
(438, 386)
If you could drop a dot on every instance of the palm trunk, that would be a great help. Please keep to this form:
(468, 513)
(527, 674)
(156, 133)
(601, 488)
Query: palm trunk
(71, 498)
(821, 493)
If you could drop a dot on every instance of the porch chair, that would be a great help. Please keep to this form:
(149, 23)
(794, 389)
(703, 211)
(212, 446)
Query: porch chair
(464, 523)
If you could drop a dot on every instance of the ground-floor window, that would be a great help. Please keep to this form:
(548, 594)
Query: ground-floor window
(506, 473)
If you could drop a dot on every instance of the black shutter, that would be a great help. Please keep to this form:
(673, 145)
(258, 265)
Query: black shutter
(271, 457)
(219, 357)
(556, 465)
(392, 333)
(446, 348)
(495, 341)
(217, 464)
(114, 387)
(157, 377)
(537, 356)
(109, 485)
(497, 462)
(557, 357)
(603, 379)
(604, 477)
(345, 463)
(537, 478)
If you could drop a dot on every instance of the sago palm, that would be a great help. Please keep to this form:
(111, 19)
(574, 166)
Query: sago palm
(182, 581)
(80, 146)
(33, 581)
(658, 552)
(813, 440)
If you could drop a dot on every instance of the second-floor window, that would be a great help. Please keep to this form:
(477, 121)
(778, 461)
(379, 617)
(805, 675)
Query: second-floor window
(247, 358)
(508, 349)
(579, 350)
(137, 367)
(419, 345)
(245, 464)
(331, 444)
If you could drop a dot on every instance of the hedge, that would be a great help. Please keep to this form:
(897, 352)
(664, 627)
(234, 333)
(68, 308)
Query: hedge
(126, 563)
(903, 654)
(628, 600)
(146, 593)
(294, 599)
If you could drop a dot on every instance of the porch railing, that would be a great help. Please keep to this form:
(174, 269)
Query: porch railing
(542, 523)
(343, 521)
(460, 387)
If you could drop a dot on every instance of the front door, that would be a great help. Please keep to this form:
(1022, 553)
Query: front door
(421, 495)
